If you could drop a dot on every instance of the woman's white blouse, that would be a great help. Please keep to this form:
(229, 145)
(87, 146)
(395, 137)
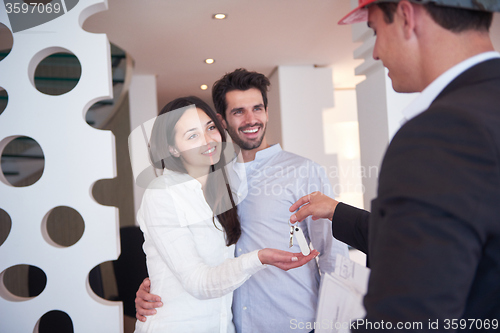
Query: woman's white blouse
(188, 262)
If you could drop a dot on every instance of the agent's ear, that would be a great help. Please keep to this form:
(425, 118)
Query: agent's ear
(173, 151)
(222, 121)
(406, 10)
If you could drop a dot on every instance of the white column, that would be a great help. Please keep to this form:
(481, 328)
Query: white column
(341, 137)
(143, 107)
(297, 99)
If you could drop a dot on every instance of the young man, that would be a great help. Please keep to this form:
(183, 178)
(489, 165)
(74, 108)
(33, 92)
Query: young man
(433, 235)
(270, 301)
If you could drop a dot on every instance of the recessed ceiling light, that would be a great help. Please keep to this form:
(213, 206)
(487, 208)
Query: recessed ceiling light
(203, 87)
(219, 16)
(209, 61)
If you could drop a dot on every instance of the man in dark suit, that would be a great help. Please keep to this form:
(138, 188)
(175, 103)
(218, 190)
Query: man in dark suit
(433, 235)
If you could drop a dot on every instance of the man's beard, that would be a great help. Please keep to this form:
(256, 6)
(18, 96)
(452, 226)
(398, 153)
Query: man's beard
(247, 145)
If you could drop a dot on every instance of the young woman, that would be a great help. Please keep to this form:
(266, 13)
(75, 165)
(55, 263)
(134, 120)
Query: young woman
(190, 225)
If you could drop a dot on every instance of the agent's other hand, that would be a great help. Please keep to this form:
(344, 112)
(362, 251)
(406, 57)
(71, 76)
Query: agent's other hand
(146, 303)
(317, 204)
(285, 260)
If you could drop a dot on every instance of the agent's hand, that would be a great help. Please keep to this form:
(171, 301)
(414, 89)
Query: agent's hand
(317, 204)
(285, 260)
(146, 303)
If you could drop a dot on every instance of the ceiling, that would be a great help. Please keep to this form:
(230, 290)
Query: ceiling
(171, 39)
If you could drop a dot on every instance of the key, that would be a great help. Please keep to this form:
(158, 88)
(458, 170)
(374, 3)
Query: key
(301, 239)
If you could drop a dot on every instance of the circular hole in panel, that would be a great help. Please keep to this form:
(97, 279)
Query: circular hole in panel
(54, 321)
(4, 99)
(58, 73)
(102, 281)
(22, 161)
(63, 226)
(22, 282)
(101, 114)
(5, 225)
(6, 41)
(96, 278)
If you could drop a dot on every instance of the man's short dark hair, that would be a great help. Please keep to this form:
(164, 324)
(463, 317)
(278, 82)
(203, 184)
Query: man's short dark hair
(240, 79)
(450, 18)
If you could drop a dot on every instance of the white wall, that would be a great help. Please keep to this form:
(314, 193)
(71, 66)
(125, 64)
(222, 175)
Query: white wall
(143, 107)
(341, 137)
(304, 92)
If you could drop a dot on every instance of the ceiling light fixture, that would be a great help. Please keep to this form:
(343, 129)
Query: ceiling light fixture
(203, 87)
(209, 61)
(219, 16)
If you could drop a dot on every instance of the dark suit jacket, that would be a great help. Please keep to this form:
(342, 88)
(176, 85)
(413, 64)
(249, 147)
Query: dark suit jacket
(433, 235)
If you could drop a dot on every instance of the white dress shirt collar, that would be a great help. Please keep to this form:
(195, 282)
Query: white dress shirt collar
(429, 94)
